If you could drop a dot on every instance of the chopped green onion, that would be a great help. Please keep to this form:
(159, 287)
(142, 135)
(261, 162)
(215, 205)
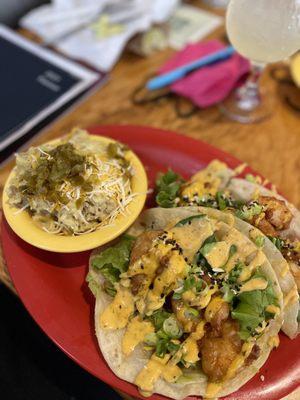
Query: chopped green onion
(172, 328)
(192, 281)
(177, 295)
(199, 285)
(158, 318)
(161, 348)
(191, 313)
(151, 339)
(161, 334)
(189, 283)
(195, 269)
(173, 347)
(259, 241)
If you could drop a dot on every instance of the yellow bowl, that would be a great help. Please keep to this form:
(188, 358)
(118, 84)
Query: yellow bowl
(27, 229)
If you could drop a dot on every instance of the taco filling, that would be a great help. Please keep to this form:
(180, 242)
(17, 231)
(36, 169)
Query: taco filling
(196, 296)
(248, 199)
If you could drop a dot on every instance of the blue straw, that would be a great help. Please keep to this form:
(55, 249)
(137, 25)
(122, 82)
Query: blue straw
(178, 73)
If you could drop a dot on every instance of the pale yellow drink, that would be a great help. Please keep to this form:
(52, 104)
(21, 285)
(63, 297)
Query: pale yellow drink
(264, 31)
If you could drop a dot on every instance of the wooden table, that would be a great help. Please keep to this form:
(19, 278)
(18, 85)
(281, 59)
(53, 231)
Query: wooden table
(271, 147)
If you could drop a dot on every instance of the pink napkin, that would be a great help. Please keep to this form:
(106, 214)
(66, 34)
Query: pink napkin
(208, 85)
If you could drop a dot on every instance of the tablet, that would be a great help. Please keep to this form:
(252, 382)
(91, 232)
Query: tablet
(35, 82)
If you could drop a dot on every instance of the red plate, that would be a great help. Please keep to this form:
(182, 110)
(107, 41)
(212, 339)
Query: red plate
(53, 289)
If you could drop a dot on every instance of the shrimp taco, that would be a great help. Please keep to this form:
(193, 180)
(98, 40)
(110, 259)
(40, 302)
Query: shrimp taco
(186, 303)
(268, 219)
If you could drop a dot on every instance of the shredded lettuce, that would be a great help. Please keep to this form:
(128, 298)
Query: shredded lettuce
(247, 212)
(113, 261)
(92, 283)
(200, 259)
(250, 309)
(279, 243)
(206, 249)
(229, 285)
(221, 201)
(233, 249)
(228, 294)
(250, 178)
(116, 256)
(167, 188)
(235, 273)
(190, 375)
(187, 220)
(210, 239)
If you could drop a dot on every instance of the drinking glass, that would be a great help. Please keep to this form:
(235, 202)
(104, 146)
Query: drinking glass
(264, 31)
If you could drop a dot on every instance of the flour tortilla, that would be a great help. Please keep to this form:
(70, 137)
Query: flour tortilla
(286, 281)
(127, 368)
(246, 191)
(279, 265)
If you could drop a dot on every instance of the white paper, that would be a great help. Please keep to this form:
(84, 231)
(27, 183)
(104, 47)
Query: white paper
(53, 23)
(190, 24)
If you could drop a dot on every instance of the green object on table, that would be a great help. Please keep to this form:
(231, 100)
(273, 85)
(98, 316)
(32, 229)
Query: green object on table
(103, 28)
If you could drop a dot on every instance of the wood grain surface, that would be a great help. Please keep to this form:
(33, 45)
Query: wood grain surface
(271, 147)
